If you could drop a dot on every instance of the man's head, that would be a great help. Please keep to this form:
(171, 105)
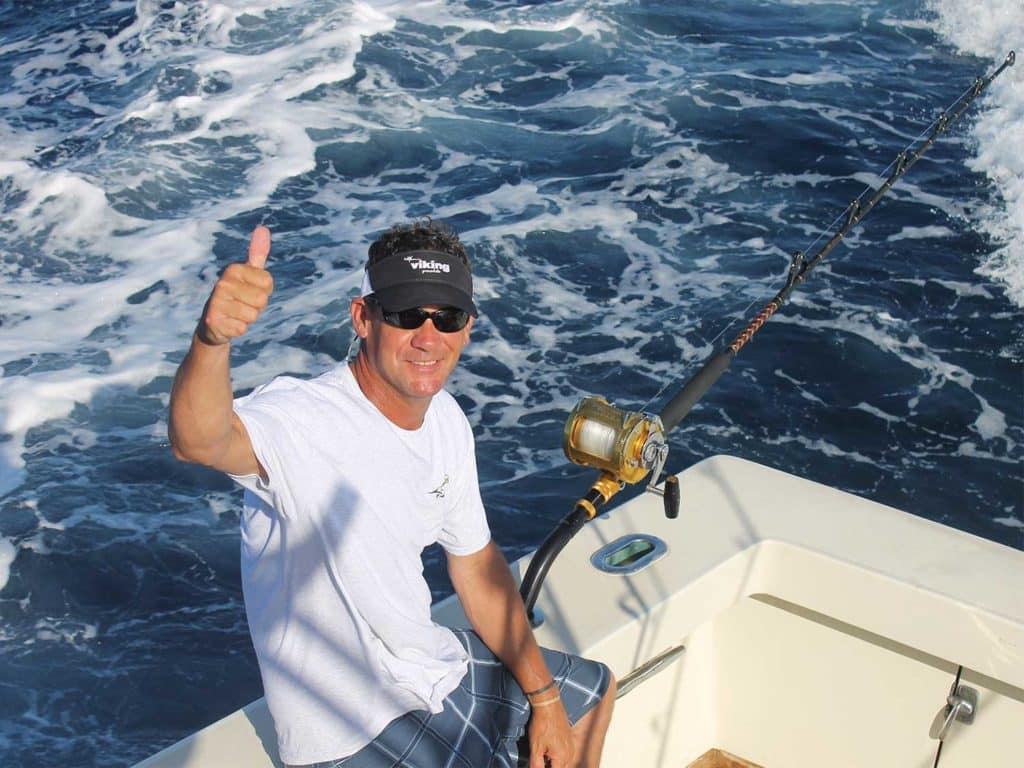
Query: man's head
(413, 318)
(418, 265)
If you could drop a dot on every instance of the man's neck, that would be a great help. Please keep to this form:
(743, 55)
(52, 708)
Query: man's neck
(403, 412)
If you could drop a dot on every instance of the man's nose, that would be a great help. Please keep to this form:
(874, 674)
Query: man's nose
(426, 335)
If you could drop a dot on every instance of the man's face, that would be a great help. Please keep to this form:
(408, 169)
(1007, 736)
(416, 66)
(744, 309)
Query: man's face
(407, 366)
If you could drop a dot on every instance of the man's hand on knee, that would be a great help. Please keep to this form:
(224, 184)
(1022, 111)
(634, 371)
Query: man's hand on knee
(551, 741)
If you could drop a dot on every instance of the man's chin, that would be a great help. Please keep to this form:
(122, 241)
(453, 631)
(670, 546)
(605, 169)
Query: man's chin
(427, 381)
(423, 385)
(425, 389)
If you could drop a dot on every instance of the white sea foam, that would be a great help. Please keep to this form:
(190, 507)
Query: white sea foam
(819, 445)
(35, 399)
(887, 417)
(799, 385)
(7, 554)
(970, 449)
(959, 287)
(71, 632)
(68, 215)
(920, 233)
(825, 76)
(991, 423)
(991, 33)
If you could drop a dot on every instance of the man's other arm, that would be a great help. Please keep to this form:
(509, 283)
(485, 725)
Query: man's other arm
(492, 604)
(203, 427)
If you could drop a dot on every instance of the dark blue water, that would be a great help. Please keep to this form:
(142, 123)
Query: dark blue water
(630, 179)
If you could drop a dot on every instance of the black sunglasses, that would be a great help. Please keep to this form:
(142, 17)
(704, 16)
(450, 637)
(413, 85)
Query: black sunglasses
(445, 319)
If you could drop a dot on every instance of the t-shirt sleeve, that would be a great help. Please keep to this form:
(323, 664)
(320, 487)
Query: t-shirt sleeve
(465, 530)
(265, 418)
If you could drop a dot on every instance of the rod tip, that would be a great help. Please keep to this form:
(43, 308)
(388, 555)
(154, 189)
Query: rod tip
(1011, 57)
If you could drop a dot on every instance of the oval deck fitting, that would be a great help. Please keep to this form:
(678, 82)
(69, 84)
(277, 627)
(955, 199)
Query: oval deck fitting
(629, 554)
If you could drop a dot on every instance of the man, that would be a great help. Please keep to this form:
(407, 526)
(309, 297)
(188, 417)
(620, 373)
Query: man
(348, 477)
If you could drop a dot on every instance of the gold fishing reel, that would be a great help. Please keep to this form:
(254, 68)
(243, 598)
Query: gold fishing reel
(624, 445)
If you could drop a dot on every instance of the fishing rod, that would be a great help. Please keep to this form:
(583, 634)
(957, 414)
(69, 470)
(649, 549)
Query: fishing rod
(627, 446)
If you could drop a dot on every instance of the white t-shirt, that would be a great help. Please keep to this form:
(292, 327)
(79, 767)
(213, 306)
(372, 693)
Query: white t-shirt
(337, 605)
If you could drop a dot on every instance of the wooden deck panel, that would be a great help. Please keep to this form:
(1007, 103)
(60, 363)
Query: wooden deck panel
(716, 758)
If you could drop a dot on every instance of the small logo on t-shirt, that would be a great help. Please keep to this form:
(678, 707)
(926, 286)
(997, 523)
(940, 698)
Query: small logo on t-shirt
(440, 490)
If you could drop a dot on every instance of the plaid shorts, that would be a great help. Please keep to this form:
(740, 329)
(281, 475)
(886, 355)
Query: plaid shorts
(484, 720)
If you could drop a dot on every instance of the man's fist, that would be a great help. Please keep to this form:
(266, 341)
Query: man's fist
(239, 296)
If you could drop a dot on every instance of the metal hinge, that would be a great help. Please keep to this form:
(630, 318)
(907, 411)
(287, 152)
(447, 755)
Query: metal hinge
(961, 704)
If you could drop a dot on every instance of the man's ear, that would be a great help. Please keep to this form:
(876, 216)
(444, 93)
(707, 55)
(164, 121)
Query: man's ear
(359, 310)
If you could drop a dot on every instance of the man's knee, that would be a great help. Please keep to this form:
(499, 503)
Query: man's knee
(589, 732)
(600, 714)
(613, 687)
(607, 702)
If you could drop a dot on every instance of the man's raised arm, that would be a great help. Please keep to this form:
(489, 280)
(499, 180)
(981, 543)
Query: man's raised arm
(203, 427)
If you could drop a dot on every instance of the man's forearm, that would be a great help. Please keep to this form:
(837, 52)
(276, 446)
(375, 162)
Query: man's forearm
(489, 595)
(494, 608)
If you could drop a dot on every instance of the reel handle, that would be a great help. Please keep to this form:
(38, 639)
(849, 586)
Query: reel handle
(670, 496)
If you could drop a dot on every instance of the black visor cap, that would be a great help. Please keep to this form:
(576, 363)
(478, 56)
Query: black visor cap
(422, 279)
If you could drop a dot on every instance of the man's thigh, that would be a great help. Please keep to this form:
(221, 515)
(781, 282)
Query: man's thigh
(483, 720)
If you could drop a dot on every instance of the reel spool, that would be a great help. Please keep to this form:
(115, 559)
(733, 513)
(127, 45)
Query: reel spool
(624, 445)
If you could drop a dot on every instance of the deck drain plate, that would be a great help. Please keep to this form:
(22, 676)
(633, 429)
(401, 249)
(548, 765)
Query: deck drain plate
(629, 554)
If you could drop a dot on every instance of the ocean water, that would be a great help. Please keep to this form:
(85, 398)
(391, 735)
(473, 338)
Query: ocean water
(630, 178)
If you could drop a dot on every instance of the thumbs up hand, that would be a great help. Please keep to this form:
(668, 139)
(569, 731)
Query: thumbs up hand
(239, 296)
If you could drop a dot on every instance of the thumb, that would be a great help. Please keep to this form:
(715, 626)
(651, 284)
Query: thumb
(259, 247)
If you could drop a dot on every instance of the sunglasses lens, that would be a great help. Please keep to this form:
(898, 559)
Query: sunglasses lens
(407, 319)
(446, 319)
(450, 319)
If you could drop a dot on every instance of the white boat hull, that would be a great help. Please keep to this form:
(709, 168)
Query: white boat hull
(819, 629)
